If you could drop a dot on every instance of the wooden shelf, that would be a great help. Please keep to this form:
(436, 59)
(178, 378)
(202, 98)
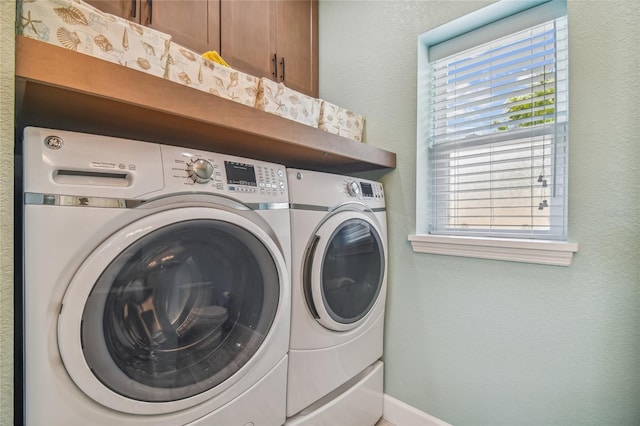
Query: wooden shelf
(62, 89)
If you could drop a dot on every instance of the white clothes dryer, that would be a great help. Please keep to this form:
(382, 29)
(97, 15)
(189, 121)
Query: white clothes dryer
(339, 280)
(156, 284)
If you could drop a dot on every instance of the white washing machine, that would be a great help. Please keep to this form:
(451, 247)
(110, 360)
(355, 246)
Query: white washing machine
(156, 284)
(339, 270)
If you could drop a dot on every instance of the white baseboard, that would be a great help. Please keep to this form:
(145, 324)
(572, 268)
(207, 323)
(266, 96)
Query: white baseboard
(401, 414)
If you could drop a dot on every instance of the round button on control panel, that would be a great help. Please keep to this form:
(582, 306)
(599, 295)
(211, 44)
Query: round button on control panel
(200, 171)
(353, 189)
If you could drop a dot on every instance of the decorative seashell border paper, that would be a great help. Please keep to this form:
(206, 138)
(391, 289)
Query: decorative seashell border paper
(278, 99)
(80, 27)
(340, 121)
(186, 67)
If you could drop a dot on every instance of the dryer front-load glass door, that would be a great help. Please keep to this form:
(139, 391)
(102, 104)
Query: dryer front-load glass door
(345, 274)
(169, 308)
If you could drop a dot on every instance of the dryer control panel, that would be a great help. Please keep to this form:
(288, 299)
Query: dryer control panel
(327, 189)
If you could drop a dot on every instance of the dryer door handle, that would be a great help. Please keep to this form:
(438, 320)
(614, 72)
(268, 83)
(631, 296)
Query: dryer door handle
(306, 277)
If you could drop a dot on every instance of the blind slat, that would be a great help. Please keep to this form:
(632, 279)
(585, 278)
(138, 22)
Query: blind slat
(491, 101)
(443, 144)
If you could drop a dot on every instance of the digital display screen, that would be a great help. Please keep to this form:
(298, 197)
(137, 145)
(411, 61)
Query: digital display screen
(240, 173)
(367, 189)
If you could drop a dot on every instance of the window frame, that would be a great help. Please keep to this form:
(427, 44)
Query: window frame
(529, 13)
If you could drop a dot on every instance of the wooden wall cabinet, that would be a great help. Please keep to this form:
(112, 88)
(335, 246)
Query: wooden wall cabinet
(192, 23)
(127, 9)
(277, 39)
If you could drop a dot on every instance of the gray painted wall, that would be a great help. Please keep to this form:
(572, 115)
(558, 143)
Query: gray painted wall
(7, 55)
(480, 342)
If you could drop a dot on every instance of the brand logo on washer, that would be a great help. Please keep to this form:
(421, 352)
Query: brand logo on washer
(53, 142)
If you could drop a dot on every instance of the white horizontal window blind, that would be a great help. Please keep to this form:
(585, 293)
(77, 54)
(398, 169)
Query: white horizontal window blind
(498, 137)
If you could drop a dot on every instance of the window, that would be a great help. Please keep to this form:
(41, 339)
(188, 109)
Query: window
(493, 124)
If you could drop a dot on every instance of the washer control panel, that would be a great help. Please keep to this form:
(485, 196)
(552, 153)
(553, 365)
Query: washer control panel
(203, 171)
(364, 189)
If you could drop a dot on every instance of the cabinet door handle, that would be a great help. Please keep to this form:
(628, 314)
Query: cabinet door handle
(150, 17)
(274, 60)
(134, 8)
(282, 69)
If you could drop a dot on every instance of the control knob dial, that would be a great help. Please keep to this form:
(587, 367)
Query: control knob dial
(200, 171)
(353, 189)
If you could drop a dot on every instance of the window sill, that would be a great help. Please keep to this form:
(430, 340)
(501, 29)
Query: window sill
(558, 253)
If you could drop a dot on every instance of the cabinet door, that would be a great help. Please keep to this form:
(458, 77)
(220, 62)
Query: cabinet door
(248, 35)
(298, 45)
(127, 9)
(194, 24)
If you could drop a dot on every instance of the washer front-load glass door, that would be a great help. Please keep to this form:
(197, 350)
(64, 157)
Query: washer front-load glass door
(180, 310)
(346, 271)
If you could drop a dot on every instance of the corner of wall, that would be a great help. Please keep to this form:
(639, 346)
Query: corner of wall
(7, 94)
